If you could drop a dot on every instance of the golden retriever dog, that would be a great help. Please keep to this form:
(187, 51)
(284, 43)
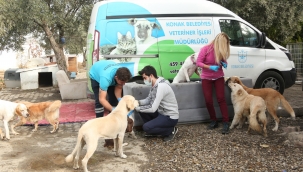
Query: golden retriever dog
(248, 106)
(7, 111)
(272, 98)
(44, 110)
(112, 126)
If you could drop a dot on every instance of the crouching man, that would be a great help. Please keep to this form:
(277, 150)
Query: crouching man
(159, 111)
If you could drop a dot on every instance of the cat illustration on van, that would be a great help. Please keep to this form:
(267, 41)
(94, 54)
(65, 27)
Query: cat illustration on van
(126, 45)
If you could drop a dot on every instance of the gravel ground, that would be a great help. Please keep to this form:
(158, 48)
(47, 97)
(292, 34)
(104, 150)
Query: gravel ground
(197, 149)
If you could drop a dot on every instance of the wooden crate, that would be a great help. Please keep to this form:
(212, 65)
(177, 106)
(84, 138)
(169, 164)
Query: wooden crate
(72, 64)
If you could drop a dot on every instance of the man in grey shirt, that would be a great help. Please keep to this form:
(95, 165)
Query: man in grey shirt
(159, 111)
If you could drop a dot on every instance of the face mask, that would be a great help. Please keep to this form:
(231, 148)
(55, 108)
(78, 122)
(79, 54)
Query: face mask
(147, 82)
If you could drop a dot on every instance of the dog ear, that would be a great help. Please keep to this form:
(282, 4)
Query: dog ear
(227, 79)
(130, 104)
(237, 80)
(155, 25)
(132, 21)
(240, 92)
(17, 110)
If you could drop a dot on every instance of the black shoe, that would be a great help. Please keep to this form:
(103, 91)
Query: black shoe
(171, 136)
(212, 125)
(225, 128)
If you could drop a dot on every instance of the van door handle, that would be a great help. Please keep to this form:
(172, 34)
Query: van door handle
(131, 56)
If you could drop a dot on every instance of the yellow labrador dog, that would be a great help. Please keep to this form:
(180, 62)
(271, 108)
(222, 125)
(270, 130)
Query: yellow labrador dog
(248, 106)
(112, 126)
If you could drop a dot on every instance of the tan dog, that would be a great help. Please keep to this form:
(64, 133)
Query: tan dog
(7, 111)
(112, 126)
(272, 99)
(248, 106)
(43, 110)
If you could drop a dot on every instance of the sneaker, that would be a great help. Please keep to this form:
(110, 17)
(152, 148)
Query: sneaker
(213, 125)
(171, 136)
(225, 128)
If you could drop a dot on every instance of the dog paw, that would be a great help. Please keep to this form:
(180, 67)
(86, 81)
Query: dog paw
(231, 127)
(15, 133)
(275, 129)
(239, 126)
(76, 167)
(123, 156)
(34, 130)
(124, 144)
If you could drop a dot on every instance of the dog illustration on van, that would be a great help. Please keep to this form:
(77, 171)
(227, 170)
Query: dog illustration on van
(143, 30)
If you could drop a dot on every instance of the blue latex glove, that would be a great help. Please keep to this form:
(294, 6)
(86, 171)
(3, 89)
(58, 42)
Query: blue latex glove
(130, 112)
(119, 99)
(214, 68)
(224, 64)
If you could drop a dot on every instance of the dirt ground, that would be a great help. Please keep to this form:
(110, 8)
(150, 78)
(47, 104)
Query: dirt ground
(42, 151)
(193, 149)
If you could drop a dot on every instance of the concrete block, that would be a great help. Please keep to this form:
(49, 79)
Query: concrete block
(190, 100)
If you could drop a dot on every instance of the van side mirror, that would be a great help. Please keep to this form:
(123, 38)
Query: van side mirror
(262, 41)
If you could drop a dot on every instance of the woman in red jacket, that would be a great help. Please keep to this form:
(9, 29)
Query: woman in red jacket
(211, 59)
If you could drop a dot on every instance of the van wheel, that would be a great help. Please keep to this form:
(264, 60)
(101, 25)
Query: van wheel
(270, 79)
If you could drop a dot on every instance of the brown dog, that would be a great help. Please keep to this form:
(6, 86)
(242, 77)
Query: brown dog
(248, 106)
(43, 110)
(272, 99)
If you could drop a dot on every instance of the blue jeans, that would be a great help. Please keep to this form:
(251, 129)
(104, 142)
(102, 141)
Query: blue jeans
(158, 124)
(112, 99)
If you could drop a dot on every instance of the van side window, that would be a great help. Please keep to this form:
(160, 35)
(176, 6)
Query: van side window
(240, 34)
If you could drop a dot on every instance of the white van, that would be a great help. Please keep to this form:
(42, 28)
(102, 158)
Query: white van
(162, 33)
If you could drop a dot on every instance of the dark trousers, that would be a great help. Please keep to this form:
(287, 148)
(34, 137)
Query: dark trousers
(158, 124)
(112, 99)
(207, 88)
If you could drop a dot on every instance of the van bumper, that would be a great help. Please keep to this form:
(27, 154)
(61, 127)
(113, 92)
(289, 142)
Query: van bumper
(289, 77)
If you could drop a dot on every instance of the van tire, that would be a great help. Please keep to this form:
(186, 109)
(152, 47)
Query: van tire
(271, 79)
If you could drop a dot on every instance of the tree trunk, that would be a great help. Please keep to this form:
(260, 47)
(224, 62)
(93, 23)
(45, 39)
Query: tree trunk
(84, 58)
(58, 50)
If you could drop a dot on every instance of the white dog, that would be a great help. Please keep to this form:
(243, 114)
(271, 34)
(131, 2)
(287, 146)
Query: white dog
(187, 69)
(112, 126)
(7, 111)
(143, 30)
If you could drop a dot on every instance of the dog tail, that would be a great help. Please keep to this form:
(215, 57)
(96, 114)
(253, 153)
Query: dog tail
(70, 157)
(54, 106)
(287, 107)
(253, 122)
